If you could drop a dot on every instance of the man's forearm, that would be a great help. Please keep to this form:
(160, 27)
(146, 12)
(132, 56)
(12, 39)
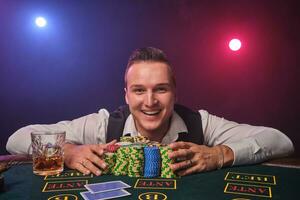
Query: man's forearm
(261, 147)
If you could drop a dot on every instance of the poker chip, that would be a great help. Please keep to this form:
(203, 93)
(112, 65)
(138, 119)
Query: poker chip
(110, 160)
(154, 144)
(166, 171)
(121, 166)
(152, 161)
(136, 161)
(124, 144)
(112, 148)
(141, 139)
(134, 140)
(127, 139)
(138, 157)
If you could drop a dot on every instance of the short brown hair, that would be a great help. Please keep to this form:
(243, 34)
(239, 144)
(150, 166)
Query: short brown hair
(149, 54)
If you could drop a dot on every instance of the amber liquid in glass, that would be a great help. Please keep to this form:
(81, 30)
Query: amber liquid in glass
(48, 165)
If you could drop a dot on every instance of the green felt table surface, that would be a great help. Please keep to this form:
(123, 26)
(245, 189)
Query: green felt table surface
(21, 183)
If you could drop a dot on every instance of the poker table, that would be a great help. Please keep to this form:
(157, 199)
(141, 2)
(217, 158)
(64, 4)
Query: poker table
(269, 181)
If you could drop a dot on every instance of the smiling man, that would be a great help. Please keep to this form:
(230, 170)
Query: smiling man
(150, 94)
(200, 141)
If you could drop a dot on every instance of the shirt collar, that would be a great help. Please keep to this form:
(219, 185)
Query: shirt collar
(177, 126)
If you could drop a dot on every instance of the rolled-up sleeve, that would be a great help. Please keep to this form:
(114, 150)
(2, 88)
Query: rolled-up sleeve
(250, 144)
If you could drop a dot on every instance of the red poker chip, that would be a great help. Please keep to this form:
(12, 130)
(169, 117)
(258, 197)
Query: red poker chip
(112, 148)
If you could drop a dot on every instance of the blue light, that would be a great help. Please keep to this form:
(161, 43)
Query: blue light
(41, 22)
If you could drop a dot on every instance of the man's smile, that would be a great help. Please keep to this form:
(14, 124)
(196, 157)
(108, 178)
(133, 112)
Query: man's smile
(151, 112)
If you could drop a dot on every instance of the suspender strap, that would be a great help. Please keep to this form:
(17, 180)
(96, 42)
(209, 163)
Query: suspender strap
(193, 123)
(116, 123)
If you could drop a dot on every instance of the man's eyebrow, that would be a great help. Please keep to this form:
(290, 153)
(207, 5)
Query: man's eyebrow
(157, 85)
(164, 84)
(136, 85)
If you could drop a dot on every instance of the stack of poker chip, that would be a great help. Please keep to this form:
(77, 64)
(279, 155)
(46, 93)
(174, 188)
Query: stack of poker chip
(127, 139)
(135, 161)
(154, 144)
(166, 171)
(110, 160)
(121, 166)
(152, 161)
(141, 139)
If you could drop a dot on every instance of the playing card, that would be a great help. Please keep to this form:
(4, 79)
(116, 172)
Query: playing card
(106, 186)
(104, 195)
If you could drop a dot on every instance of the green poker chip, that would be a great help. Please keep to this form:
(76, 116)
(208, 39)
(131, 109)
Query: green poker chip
(129, 158)
(110, 160)
(127, 139)
(166, 171)
(135, 161)
(121, 165)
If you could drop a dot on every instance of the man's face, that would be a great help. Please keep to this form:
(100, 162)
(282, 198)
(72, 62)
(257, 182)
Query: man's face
(150, 94)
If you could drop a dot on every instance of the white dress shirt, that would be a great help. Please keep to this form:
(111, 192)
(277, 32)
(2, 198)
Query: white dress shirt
(250, 144)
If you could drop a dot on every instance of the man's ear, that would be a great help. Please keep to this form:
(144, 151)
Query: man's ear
(126, 99)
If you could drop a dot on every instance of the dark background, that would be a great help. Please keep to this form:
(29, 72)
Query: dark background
(75, 65)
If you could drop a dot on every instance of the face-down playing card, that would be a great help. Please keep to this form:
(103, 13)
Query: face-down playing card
(104, 195)
(106, 186)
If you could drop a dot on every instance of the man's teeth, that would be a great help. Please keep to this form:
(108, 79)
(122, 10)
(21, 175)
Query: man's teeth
(151, 112)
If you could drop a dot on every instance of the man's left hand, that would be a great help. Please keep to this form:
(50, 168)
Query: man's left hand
(193, 158)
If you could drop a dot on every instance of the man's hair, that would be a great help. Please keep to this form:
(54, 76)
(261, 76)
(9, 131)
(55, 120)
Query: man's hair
(149, 54)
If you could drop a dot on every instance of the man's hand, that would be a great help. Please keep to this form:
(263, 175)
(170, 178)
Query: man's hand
(195, 158)
(86, 158)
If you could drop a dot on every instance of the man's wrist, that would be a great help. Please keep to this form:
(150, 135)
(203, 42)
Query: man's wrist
(220, 159)
(68, 145)
(228, 155)
(224, 156)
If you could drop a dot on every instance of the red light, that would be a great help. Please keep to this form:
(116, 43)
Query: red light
(235, 44)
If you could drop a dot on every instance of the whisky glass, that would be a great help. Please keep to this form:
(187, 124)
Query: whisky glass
(47, 152)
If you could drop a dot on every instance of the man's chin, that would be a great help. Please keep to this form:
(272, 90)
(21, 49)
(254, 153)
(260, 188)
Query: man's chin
(151, 128)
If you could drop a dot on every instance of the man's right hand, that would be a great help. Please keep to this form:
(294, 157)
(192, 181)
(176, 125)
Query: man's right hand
(86, 158)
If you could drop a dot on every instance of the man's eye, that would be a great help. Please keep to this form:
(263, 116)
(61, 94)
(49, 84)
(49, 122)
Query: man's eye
(161, 90)
(138, 91)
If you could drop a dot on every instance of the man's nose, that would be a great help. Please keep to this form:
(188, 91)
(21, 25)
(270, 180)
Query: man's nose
(151, 99)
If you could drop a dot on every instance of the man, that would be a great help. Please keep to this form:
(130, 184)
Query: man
(200, 141)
